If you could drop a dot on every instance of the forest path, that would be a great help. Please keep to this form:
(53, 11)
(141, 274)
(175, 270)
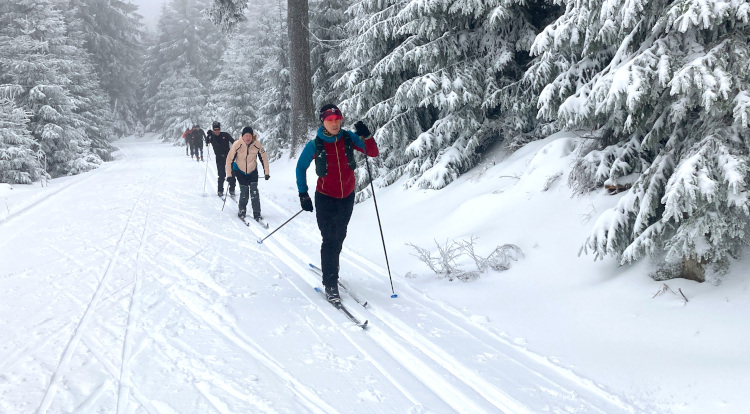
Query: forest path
(131, 291)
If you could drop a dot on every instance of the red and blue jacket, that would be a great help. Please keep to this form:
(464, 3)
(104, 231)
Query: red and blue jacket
(339, 181)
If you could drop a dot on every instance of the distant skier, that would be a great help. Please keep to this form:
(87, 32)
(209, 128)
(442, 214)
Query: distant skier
(197, 136)
(221, 142)
(188, 142)
(242, 164)
(333, 152)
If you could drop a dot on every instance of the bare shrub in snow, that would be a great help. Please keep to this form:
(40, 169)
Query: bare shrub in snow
(552, 180)
(445, 262)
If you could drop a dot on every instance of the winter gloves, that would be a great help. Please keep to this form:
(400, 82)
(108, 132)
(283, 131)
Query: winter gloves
(267, 177)
(361, 129)
(305, 202)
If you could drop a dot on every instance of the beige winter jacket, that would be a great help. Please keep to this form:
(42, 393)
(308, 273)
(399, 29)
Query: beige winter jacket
(246, 156)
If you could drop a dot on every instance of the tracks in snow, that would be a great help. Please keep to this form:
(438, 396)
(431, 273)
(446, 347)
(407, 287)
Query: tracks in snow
(471, 368)
(70, 349)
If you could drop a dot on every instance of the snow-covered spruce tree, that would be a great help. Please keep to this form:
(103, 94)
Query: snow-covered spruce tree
(328, 21)
(665, 87)
(236, 89)
(427, 74)
(227, 14)
(39, 57)
(273, 108)
(178, 105)
(232, 92)
(186, 39)
(93, 104)
(111, 33)
(253, 86)
(18, 161)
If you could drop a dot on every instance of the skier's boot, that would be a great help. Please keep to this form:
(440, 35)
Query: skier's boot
(220, 193)
(242, 213)
(231, 192)
(332, 294)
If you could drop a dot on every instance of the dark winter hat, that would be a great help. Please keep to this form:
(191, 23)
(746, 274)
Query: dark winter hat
(247, 130)
(330, 112)
(196, 126)
(216, 124)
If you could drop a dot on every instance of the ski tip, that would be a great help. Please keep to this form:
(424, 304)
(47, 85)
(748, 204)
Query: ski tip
(317, 289)
(364, 325)
(312, 265)
(394, 296)
(364, 305)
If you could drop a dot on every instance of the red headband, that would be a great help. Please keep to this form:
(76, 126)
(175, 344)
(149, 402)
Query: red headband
(331, 114)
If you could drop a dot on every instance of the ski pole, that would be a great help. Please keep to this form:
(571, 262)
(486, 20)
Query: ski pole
(277, 228)
(369, 175)
(208, 158)
(225, 199)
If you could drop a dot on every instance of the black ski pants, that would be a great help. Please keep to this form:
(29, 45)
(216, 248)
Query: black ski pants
(333, 216)
(221, 161)
(249, 187)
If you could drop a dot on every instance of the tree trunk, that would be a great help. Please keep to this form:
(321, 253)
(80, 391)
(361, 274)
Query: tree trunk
(299, 71)
(692, 269)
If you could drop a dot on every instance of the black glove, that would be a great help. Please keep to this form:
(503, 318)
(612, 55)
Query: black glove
(362, 130)
(305, 202)
(267, 177)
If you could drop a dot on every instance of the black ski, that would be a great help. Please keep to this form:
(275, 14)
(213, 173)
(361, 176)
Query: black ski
(343, 286)
(340, 306)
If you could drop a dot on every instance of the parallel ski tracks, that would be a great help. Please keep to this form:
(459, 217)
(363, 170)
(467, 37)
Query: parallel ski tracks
(124, 383)
(70, 349)
(412, 358)
(423, 356)
(236, 337)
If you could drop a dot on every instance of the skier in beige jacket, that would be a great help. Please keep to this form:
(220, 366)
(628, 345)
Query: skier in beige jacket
(243, 165)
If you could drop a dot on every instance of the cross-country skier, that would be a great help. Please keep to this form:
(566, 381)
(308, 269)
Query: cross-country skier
(333, 152)
(221, 142)
(242, 164)
(188, 142)
(197, 136)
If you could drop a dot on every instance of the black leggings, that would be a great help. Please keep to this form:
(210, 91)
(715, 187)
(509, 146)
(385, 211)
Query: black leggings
(333, 216)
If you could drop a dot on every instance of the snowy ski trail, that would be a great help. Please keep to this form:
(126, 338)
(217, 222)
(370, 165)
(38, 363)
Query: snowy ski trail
(145, 297)
(543, 388)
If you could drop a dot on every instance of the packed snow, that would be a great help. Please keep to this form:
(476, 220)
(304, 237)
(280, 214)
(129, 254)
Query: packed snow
(132, 289)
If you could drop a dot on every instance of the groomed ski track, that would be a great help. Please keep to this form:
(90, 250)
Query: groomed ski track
(146, 297)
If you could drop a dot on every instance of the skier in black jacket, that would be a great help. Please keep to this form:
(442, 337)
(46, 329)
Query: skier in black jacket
(221, 142)
(198, 136)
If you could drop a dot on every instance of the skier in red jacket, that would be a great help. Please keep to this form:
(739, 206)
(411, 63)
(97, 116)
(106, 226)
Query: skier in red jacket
(333, 152)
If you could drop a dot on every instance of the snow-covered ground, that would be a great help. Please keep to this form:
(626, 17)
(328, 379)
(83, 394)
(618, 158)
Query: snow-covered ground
(128, 290)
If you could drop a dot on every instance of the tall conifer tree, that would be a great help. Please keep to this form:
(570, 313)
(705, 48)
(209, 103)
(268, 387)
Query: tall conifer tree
(665, 87)
(111, 34)
(18, 161)
(428, 75)
(50, 68)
